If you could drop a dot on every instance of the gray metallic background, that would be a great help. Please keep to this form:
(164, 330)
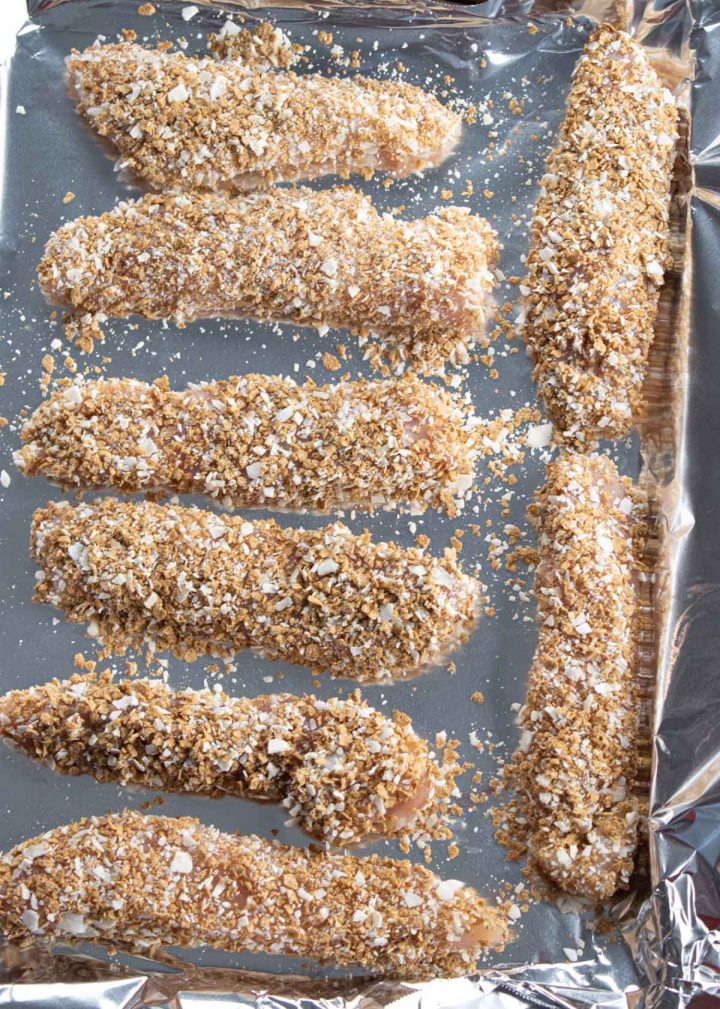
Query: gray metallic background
(47, 152)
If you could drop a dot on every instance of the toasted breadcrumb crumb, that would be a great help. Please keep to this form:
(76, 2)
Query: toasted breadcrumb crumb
(262, 47)
(330, 362)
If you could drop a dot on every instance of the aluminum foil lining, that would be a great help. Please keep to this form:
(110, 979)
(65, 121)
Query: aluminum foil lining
(665, 949)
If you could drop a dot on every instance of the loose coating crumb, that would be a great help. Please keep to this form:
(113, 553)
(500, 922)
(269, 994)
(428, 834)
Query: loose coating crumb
(344, 772)
(198, 583)
(261, 47)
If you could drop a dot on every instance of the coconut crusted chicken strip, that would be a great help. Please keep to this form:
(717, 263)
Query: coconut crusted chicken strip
(574, 773)
(149, 881)
(344, 772)
(261, 441)
(311, 258)
(600, 242)
(197, 583)
(189, 122)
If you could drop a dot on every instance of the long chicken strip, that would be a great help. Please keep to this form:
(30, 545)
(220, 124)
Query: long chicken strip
(344, 772)
(311, 258)
(204, 584)
(149, 881)
(189, 122)
(574, 773)
(262, 441)
(600, 242)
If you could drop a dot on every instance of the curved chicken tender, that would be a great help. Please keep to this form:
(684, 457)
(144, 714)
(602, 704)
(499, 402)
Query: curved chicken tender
(419, 288)
(197, 583)
(151, 881)
(189, 122)
(261, 441)
(576, 814)
(344, 772)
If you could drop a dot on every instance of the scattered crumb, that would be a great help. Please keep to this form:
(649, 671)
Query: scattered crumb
(331, 362)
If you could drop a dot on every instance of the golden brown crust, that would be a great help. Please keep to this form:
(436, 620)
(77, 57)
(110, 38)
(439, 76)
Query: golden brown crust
(189, 122)
(344, 772)
(600, 242)
(262, 441)
(146, 882)
(311, 258)
(197, 583)
(574, 773)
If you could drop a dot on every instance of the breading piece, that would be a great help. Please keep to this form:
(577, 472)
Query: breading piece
(345, 772)
(260, 47)
(190, 122)
(262, 441)
(198, 583)
(145, 882)
(310, 258)
(575, 813)
(600, 242)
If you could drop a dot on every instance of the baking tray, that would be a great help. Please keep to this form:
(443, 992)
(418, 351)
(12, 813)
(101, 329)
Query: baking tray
(515, 67)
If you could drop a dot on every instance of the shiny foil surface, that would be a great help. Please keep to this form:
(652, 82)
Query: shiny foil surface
(658, 944)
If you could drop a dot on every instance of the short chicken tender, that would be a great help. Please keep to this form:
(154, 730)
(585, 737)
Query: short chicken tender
(344, 772)
(198, 583)
(144, 882)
